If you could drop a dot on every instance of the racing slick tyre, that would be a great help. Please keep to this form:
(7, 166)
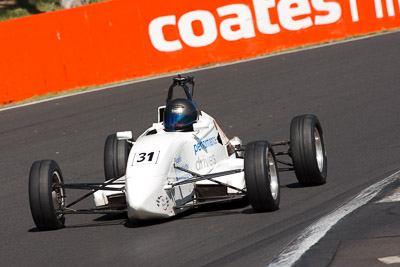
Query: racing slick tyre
(46, 196)
(116, 153)
(261, 176)
(308, 150)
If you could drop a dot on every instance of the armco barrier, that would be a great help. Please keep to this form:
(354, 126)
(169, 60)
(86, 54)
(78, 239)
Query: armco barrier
(122, 39)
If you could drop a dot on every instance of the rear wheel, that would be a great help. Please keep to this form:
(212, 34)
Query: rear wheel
(46, 195)
(308, 150)
(261, 176)
(116, 153)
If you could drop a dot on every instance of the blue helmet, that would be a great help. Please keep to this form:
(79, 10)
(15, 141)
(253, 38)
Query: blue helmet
(179, 115)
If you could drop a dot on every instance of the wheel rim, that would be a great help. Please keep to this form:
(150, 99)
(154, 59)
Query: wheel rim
(57, 194)
(273, 176)
(319, 151)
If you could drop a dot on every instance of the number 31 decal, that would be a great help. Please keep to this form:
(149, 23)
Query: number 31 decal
(149, 157)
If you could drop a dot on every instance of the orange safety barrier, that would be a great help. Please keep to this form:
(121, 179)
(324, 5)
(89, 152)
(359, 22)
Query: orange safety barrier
(123, 39)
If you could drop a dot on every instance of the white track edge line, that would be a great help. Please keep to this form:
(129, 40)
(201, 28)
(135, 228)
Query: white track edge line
(393, 197)
(390, 260)
(217, 65)
(316, 231)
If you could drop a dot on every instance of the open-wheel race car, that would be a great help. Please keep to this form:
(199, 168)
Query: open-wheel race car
(183, 161)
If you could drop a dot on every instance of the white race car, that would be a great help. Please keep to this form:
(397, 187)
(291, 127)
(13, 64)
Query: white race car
(182, 161)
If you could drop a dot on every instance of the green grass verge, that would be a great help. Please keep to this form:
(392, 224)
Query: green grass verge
(11, 10)
(11, 13)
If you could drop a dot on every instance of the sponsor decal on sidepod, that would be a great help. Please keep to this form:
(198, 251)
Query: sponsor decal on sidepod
(205, 162)
(204, 144)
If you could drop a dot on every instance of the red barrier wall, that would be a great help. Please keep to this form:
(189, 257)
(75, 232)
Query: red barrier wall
(123, 39)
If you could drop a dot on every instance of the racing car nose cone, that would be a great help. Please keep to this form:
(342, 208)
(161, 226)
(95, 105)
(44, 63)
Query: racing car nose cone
(146, 198)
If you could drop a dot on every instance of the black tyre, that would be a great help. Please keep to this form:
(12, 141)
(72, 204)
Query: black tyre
(116, 153)
(46, 196)
(261, 176)
(308, 150)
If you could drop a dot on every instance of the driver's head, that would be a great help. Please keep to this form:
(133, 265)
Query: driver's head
(179, 115)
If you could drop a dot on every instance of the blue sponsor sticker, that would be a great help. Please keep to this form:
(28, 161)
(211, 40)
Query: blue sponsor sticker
(204, 144)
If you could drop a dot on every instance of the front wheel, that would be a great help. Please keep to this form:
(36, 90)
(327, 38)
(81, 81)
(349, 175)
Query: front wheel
(46, 195)
(261, 176)
(308, 150)
(116, 153)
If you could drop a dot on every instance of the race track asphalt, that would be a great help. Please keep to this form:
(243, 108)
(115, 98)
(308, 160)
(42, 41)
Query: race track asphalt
(354, 89)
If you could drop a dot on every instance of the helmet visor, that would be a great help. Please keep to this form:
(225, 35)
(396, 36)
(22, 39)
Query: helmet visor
(174, 122)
